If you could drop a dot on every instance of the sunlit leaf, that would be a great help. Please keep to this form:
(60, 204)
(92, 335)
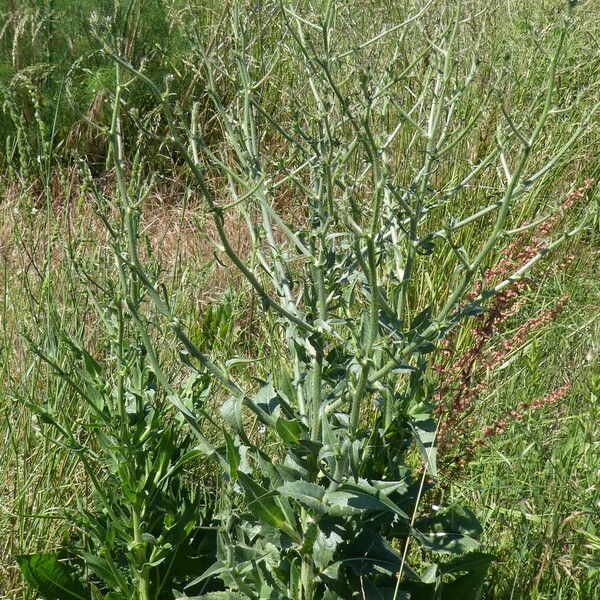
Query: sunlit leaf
(51, 578)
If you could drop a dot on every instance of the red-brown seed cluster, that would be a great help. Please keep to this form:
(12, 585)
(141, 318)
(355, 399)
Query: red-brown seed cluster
(500, 425)
(464, 373)
(519, 252)
(522, 333)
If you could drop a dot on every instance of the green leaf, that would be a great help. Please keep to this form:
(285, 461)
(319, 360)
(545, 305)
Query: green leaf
(188, 456)
(372, 592)
(473, 561)
(325, 547)
(421, 320)
(467, 587)
(431, 575)
(286, 387)
(354, 498)
(217, 596)
(291, 432)
(264, 505)
(266, 404)
(424, 431)
(92, 366)
(454, 530)
(231, 411)
(426, 245)
(370, 551)
(308, 494)
(92, 392)
(52, 579)
(274, 472)
(107, 571)
(365, 330)
(233, 455)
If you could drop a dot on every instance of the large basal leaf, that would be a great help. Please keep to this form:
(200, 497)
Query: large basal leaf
(453, 531)
(373, 592)
(470, 562)
(467, 577)
(265, 505)
(52, 579)
(354, 498)
(216, 596)
(369, 551)
(466, 587)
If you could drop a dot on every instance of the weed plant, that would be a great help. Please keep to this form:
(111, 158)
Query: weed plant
(359, 209)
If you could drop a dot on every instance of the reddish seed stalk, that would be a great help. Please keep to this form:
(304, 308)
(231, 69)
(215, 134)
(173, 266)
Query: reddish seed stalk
(464, 374)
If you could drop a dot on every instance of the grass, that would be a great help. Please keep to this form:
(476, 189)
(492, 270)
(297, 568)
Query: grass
(534, 486)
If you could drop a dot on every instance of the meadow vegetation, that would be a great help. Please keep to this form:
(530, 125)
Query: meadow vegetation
(299, 299)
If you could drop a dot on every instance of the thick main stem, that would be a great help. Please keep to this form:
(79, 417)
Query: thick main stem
(140, 551)
(307, 578)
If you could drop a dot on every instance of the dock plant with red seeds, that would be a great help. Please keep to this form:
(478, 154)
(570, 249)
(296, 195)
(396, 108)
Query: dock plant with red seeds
(465, 373)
